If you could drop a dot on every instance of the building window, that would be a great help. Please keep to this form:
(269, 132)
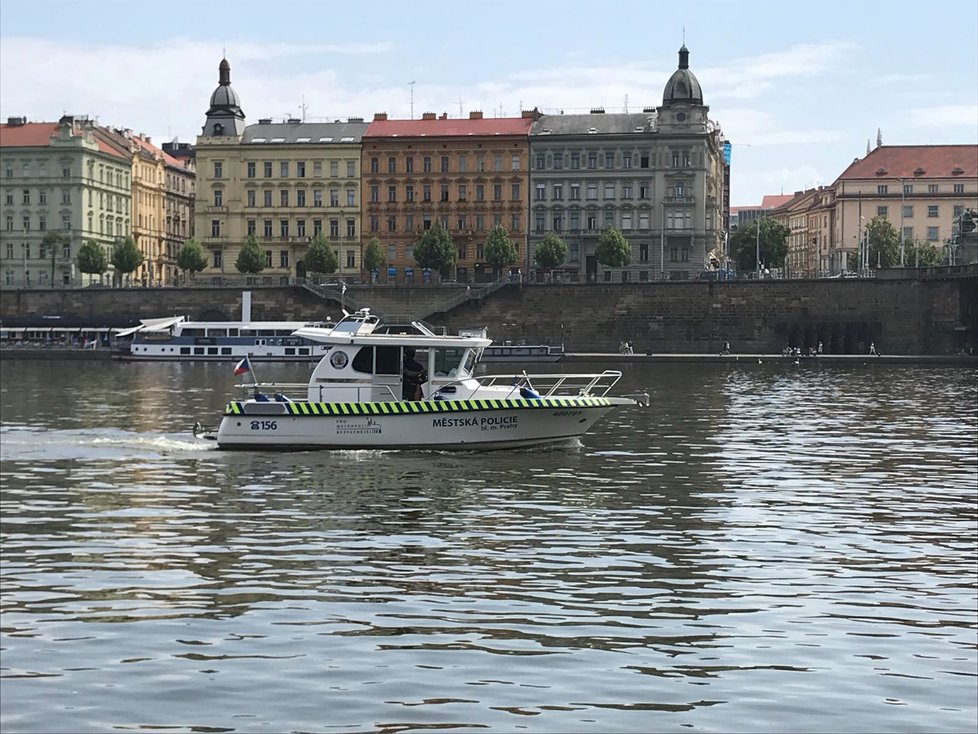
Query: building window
(609, 160)
(515, 192)
(408, 222)
(251, 227)
(300, 228)
(218, 259)
(558, 161)
(575, 192)
(881, 211)
(317, 227)
(882, 189)
(218, 169)
(268, 169)
(334, 197)
(592, 192)
(215, 228)
(444, 164)
(932, 210)
(409, 164)
(497, 163)
(409, 193)
(267, 228)
(392, 194)
(334, 228)
(283, 228)
(392, 164)
(283, 258)
(626, 160)
(592, 160)
(300, 197)
(541, 194)
(283, 196)
(374, 193)
(444, 192)
(283, 172)
(480, 192)
(351, 259)
(575, 161)
(317, 197)
(515, 163)
(558, 192)
(268, 258)
(251, 169)
(351, 228)
(391, 224)
(497, 192)
(541, 161)
(300, 169)
(907, 212)
(375, 165)
(251, 197)
(426, 164)
(317, 168)
(932, 234)
(609, 191)
(351, 197)
(426, 192)
(27, 196)
(958, 188)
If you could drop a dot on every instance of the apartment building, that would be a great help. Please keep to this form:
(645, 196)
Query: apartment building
(920, 189)
(467, 174)
(658, 176)
(179, 193)
(58, 176)
(283, 183)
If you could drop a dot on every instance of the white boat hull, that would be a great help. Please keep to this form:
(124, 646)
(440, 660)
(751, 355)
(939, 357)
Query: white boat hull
(424, 424)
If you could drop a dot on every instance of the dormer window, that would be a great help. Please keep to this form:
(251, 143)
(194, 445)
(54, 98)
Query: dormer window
(218, 128)
(918, 171)
(957, 171)
(881, 171)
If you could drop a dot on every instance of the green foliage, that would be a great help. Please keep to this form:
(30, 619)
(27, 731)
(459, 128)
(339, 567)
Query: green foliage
(53, 241)
(126, 257)
(884, 244)
(191, 257)
(434, 249)
(373, 255)
(774, 244)
(251, 259)
(500, 251)
(92, 259)
(922, 255)
(550, 252)
(320, 257)
(613, 249)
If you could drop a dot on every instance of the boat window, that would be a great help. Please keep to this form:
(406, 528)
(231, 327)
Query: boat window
(232, 332)
(198, 350)
(266, 332)
(193, 332)
(363, 361)
(225, 350)
(212, 351)
(388, 361)
(217, 332)
(184, 350)
(448, 362)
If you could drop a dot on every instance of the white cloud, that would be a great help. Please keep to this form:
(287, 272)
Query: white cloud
(960, 115)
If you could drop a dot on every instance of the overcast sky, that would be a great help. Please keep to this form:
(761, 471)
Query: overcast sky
(797, 88)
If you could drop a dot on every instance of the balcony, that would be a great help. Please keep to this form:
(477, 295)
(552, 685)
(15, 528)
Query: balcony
(679, 200)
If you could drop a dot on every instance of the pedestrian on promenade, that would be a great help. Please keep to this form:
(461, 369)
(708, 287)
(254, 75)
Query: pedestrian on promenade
(872, 349)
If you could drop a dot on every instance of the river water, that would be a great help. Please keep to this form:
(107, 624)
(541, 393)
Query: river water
(765, 548)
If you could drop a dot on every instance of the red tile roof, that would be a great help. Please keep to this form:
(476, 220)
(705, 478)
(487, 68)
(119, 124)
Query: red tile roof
(449, 128)
(902, 161)
(33, 134)
(773, 202)
(38, 134)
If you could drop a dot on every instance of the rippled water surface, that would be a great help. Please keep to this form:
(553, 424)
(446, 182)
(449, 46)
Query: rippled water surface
(766, 548)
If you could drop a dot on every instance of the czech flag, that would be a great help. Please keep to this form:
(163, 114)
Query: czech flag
(243, 366)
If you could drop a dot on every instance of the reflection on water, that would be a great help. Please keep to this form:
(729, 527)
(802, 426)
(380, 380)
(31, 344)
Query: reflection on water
(766, 548)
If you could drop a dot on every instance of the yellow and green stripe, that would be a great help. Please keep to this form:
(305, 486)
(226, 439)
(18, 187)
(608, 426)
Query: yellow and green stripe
(304, 408)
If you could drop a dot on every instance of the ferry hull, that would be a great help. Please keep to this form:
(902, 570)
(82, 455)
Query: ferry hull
(441, 425)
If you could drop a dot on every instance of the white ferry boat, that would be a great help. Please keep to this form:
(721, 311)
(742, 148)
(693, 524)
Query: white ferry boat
(176, 338)
(378, 389)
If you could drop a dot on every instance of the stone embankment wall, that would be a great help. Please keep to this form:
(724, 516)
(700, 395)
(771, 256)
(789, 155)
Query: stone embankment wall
(901, 316)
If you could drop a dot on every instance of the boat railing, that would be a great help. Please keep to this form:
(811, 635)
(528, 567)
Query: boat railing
(554, 385)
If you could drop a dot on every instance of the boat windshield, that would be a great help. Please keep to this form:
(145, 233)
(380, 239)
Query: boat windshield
(455, 362)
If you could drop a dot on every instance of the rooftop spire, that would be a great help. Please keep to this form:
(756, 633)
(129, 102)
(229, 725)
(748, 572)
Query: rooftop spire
(224, 70)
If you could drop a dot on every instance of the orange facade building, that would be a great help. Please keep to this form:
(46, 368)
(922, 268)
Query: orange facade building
(468, 174)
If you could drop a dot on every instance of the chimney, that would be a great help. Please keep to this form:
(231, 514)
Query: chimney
(444, 116)
(68, 120)
(380, 116)
(354, 119)
(16, 121)
(475, 115)
(294, 120)
(264, 120)
(597, 110)
(427, 115)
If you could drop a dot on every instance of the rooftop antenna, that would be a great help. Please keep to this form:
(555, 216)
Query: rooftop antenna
(626, 104)
(460, 105)
(411, 84)
(303, 108)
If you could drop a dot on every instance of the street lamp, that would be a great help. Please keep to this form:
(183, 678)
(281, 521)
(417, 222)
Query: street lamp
(757, 247)
(903, 194)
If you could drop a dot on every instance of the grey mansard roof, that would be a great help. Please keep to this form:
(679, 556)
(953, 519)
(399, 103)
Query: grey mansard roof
(301, 133)
(593, 124)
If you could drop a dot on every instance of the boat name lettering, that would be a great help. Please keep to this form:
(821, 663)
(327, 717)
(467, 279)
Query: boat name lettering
(264, 425)
(486, 423)
(567, 413)
(346, 426)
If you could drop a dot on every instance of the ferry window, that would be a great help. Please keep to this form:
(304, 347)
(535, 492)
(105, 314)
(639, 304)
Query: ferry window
(304, 351)
(232, 332)
(447, 362)
(289, 350)
(217, 332)
(184, 350)
(198, 350)
(212, 351)
(225, 351)
(194, 332)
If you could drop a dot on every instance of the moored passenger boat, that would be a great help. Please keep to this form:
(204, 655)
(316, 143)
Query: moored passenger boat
(380, 387)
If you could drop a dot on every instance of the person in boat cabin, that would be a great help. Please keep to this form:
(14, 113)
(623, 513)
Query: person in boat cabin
(414, 375)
